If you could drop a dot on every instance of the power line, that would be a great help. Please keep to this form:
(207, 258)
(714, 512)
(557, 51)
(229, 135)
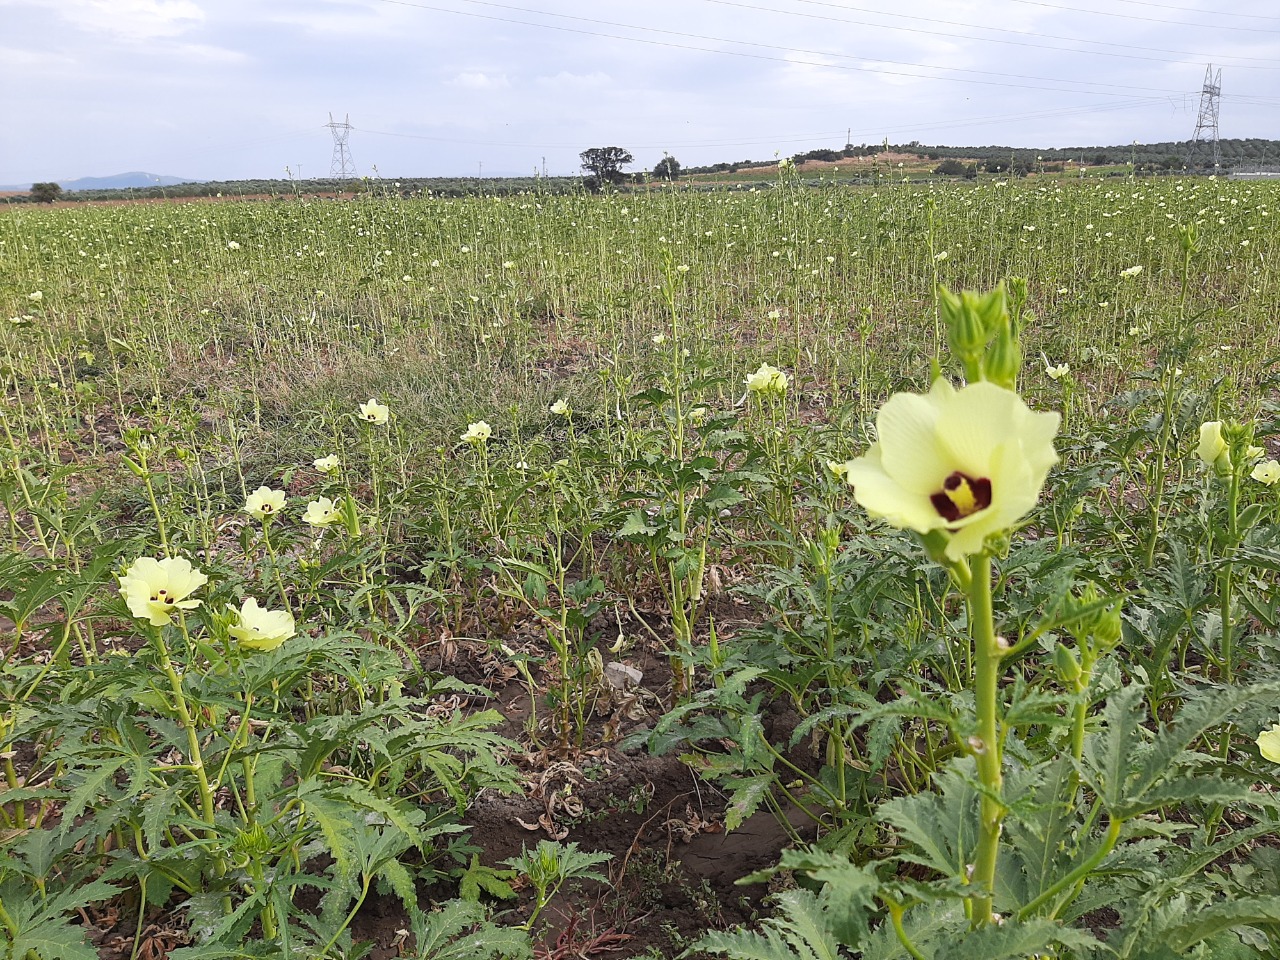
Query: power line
(1216, 13)
(976, 26)
(820, 137)
(1131, 16)
(791, 61)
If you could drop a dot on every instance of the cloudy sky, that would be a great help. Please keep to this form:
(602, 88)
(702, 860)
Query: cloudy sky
(230, 89)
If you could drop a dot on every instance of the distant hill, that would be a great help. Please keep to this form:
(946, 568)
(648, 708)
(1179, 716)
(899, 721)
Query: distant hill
(120, 181)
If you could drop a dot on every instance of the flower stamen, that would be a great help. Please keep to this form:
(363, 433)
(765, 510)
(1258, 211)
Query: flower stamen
(961, 496)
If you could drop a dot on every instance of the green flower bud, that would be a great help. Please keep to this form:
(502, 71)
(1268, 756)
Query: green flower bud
(350, 517)
(966, 333)
(1188, 238)
(993, 308)
(1108, 629)
(1004, 359)
(1098, 628)
(1068, 664)
(1239, 440)
(1019, 294)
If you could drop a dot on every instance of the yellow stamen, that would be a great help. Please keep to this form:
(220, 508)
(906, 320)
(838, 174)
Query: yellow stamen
(962, 496)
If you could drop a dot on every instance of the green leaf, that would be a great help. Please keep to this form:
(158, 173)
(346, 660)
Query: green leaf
(52, 938)
(1184, 578)
(850, 889)
(942, 826)
(535, 587)
(75, 897)
(1040, 836)
(925, 924)
(442, 934)
(1223, 916)
(1108, 754)
(397, 877)
(745, 795)
(1188, 789)
(637, 525)
(800, 929)
(1012, 939)
(91, 787)
(478, 878)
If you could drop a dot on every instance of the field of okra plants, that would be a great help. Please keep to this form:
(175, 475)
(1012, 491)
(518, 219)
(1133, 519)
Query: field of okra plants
(866, 572)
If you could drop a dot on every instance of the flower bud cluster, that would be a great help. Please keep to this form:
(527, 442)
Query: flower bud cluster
(982, 336)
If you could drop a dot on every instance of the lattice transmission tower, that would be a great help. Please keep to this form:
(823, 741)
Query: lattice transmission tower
(1207, 119)
(341, 167)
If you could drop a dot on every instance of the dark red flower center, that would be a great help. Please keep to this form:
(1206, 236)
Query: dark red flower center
(961, 496)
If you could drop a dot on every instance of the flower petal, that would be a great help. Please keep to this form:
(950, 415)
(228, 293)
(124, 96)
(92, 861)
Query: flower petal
(909, 442)
(882, 496)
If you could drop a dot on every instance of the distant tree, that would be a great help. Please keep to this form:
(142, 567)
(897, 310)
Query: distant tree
(668, 168)
(45, 192)
(604, 164)
(826, 156)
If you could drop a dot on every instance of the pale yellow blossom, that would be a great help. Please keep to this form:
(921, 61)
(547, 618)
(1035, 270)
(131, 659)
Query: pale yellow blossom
(259, 629)
(264, 502)
(153, 589)
(969, 462)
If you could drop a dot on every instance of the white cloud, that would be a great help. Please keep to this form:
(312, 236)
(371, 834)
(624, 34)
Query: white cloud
(207, 53)
(565, 79)
(131, 19)
(480, 81)
(14, 57)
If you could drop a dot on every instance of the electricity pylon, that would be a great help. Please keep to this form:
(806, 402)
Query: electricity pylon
(341, 167)
(1207, 118)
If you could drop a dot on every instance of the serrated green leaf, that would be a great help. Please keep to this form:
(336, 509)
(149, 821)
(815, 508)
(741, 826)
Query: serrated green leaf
(637, 525)
(52, 938)
(91, 787)
(942, 826)
(1223, 916)
(478, 878)
(1013, 940)
(745, 795)
(397, 877)
(442, 934)
(800, 929)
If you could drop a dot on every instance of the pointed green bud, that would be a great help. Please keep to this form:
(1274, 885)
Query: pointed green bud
(993, 308)
(1108, 629)
(1188, 238)
(1018, 294)
(1068, 664)
(966, 334)
(350, 517)
(1003, 361)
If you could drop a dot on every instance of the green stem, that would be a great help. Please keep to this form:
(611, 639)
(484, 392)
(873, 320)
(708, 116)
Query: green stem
(142, 914)
(188, 725)
(896, 910)
(1156, 502)
(1080, 872)
(1226, 576)
(989, 746)
(27, 498)
(275, 563)
(155, 504)
(365, 880)
(8, 922)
